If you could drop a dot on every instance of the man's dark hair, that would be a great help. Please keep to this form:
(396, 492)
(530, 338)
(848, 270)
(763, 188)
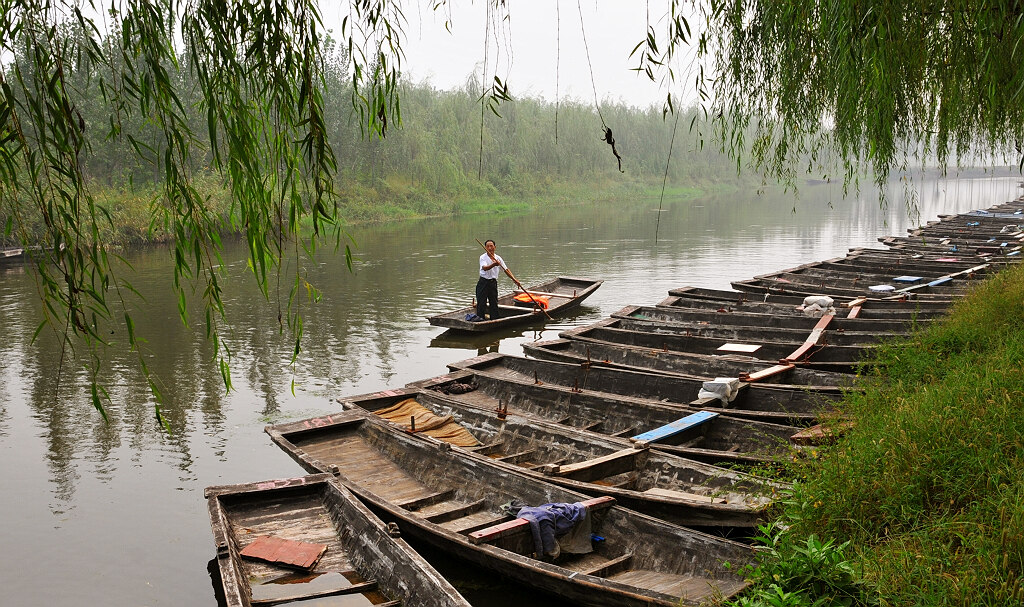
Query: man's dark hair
(489, 240)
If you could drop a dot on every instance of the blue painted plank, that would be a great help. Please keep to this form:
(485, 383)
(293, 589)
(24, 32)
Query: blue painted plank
(680, 425)
(909, 279)
(940, 281)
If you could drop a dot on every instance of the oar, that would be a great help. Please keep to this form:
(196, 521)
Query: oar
(516, 280)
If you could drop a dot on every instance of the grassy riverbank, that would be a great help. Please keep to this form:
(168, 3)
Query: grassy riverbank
(397, 199)
(923, 502)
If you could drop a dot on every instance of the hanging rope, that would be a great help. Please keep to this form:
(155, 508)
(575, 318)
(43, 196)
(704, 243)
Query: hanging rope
(664, 179)
(558, 60)
(483, 87)
(607, 137)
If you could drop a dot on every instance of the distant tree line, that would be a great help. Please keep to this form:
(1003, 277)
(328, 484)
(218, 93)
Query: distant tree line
(439, 150)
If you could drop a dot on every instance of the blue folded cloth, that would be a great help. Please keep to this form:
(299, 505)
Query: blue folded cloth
(473, 318)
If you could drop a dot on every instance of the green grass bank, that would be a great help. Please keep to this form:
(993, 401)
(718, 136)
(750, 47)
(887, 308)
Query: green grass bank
(396, 199)
(922, 503)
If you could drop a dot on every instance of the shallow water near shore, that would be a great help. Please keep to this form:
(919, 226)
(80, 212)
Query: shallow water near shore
(113, 512)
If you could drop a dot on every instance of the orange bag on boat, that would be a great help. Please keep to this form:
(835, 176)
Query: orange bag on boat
(524, 299)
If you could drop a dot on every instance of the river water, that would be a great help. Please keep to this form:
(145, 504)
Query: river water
(112, 512)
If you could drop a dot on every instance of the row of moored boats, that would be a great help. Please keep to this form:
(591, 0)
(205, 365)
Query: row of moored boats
(638, 429)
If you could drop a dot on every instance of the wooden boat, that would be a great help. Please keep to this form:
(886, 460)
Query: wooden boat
(711, 437)
(939, 294)
(706, 366)
(681, 316)
(856, 277)
(11, 255)
(843, 310)
(665, 486)
(902, 305)
(839, 334)
(453, 499)
(563, 294)
(813, 352)
(771, 403)
(292, 541)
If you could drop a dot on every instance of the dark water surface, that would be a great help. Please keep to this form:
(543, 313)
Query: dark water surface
(112, 513)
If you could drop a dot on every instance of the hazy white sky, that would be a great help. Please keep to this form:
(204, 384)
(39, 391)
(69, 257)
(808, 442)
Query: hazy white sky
(542, 40)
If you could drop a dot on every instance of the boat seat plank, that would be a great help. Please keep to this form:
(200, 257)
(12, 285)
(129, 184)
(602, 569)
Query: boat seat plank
(452, 511)
(684, 495)
(627, 480)
(674, 428)
(475, 522)
(426, 500)
(557, 462)
(489, 448)
(520, 525)
(515, 457)
(599, 467)
(765, 373)
(624, 432)
(692, 587)
(353, 589)
(610, 567)
(594, 426)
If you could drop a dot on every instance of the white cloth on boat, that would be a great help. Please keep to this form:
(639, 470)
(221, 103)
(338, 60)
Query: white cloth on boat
(722, 388)
(817, 306)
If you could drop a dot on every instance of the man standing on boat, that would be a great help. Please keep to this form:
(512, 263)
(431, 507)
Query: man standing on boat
(487, 286)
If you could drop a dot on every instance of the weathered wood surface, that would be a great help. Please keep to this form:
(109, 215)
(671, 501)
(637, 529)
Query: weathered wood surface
(826, 356)
(648, 360)
(868, 311)
(572, 292)
(730, 439)
(912, 306)
(668, 565)
(751, 400)
(685, 317)
(360, 556)
(837, 336)
(942, 295)
(698, 494)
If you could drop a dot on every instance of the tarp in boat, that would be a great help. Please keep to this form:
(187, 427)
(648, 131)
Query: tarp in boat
(524, 299)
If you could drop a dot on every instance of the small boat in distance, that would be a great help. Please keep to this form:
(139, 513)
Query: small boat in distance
(561, 294)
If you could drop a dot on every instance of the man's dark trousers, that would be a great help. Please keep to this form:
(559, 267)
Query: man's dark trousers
(487, 293)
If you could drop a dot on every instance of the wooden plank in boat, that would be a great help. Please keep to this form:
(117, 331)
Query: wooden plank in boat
(676, 427)
(746, 348)
(599, 467)
(279, 551)
(684, 495)
(518, 525)
(908, 279)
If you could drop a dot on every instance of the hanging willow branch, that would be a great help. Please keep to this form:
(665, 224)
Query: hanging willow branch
(875, 85)
(260, 73)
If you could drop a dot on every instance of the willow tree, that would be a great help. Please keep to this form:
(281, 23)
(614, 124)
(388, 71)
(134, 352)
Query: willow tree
(877, 84)
(260, 72)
